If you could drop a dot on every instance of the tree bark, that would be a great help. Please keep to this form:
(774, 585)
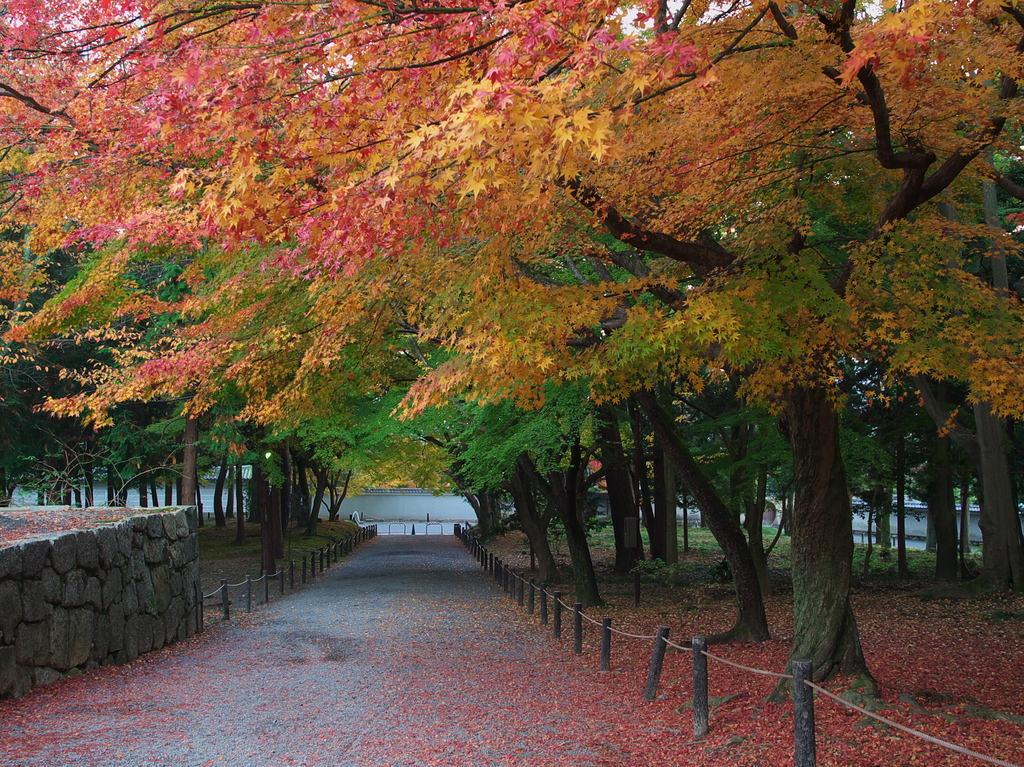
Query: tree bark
(902, 567)
(229, 506)
(220, 520)
(321, 474)
(568, 504)
(755, 533)
(239, 505)
(751, 621)
(663, 533)
(535, 524)
(261, 505)
(942, 511)
(621, 502)
(1002, 547)
(189, 464)
(285, 508)
(822, 541)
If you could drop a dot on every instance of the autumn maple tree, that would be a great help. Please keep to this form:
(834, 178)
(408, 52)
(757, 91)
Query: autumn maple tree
(636, 195)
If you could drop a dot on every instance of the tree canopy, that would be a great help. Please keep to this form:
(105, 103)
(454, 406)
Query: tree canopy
(631, 195)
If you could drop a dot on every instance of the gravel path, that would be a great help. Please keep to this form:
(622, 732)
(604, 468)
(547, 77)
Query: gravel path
(403, 654)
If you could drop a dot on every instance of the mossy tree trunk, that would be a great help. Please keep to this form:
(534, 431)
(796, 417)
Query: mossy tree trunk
(822, 540)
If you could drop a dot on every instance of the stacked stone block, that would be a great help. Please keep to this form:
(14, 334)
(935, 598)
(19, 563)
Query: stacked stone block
(82, 599)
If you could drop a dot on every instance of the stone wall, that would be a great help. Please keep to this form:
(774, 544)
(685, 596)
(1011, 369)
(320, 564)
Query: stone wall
(87, 598)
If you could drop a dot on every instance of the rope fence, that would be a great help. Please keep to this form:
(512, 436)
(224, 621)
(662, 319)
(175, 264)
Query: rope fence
(517, 585)
(318, 560)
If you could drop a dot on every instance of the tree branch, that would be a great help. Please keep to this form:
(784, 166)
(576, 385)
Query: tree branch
(709, 254)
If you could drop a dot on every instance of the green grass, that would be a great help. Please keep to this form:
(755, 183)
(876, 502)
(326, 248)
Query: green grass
(704, 558)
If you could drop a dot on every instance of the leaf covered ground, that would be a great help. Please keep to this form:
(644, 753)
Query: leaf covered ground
(407, 654)
(17, 524)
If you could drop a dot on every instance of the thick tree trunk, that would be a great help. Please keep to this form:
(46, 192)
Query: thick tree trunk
(621, 502)
(487, 509)
(535, 525)
(942, 512)
(822, 541)
(1002, 544)
(663, 530)
(261, 504)
(751, 621)
(567, 502)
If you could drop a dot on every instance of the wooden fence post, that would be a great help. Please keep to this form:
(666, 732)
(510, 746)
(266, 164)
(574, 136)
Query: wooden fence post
(248, 593)
(224, 599)
(543, 604)
(700, 688)
(803, 714)
(657, 660)
(531, 597)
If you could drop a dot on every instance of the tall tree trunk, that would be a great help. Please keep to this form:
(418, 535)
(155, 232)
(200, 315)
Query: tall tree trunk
(567, 500)
(621, 502)
(189, 465)
(883, 514)
(1002, 543)
(262, 502)
(321, 473)
(664, 543)
(755, 534)
(286, 488)
(642, 486)
(220, 519)
(303, 506)
(942, 511)
(751, 621)
(337, 498)
(822, 540)
(487, 509)
(239, 505)
(229, 506)
(535, 525)
(143, 492)
(902, 567)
